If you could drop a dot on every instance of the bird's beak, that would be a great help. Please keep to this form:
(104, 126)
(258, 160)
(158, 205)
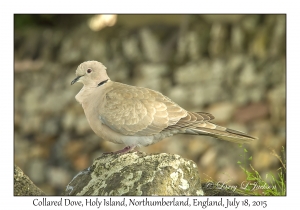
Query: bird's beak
(75, 80)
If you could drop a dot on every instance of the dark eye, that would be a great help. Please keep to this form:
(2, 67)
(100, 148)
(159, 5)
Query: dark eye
(89, 70)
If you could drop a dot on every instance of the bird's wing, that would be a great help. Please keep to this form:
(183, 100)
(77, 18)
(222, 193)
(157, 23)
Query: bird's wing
(138, 111)
(192, 120)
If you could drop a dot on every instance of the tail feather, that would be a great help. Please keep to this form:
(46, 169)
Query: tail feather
(223, 134)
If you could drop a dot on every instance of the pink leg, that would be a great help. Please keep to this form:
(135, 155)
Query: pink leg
(125, 150)
(122, 151)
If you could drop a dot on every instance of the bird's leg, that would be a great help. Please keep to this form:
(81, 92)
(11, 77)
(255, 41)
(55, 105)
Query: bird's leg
(125, 150)
(122, 151)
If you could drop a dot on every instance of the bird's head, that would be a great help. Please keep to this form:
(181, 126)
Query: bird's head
(91, 73)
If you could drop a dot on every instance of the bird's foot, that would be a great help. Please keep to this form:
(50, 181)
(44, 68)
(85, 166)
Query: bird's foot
(122, 151)
(125, 150)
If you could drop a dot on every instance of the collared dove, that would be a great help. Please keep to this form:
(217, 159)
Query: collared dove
(137, 116)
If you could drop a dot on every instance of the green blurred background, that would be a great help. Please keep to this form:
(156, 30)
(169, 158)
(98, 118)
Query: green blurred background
(233, 66)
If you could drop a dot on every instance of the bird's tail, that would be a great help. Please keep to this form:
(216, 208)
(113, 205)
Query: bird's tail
(222, 133)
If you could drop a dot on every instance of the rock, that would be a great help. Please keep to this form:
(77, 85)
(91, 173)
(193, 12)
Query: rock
(82, 126)
(51, 126)
(193, 72)
(151, 46)
(23, 185)
(275, 72)
(235, 63)
(223, 111)
(58, 177)
(217, 44)
(151, 76)
(37, 170)
(248, 75)
(201, 71)
(73, 148)
(136, 173)
(151, 71)
(278, 40)
(251, 112)
(261, 129)
(22, 150)
(131, 48)
(31, 47)
(81, 162)
(173, 145)
(69, 119)
(249, 23)
(180, 94)
(237, 39)
(32, 99)
(263, 160)
(119, 70)
(257, 93)
(258, 47)
(207, 93)
(190, 46)
(195, 146)
(223, 18)
(28, 65)
(239, 96)
(39, 151)
(208, 158)
(277, 100)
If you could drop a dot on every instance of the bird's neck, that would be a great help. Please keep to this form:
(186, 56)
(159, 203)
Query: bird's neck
(88, 91)
(84, 94)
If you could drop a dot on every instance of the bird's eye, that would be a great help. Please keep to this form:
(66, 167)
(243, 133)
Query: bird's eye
(89, 70)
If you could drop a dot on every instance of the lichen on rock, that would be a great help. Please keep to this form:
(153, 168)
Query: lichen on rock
(137, 173)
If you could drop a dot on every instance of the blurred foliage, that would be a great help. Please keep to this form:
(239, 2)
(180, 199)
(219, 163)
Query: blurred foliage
(22, 21)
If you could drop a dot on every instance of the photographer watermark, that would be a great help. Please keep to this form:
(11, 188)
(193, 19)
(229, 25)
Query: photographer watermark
(245, 185)
(252, 186)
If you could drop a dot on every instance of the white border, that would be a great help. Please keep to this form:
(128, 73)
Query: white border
(8, 8)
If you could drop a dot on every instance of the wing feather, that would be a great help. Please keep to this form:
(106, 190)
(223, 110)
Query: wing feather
(133, 110)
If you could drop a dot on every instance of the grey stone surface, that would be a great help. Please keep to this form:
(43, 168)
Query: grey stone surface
(37, 165)
(137, 174)
(23, 185)
(151, 45)
(152, 76)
